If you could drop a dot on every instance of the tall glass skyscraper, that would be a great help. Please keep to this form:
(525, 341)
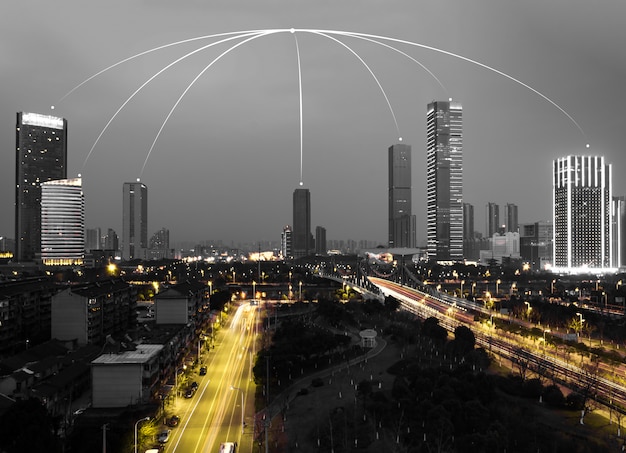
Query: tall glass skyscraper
(444, 179)
(401, 221)
(41, 155)
(62, 222)
(134, 221)
(582, 197)
(492, 219)
(302, 240)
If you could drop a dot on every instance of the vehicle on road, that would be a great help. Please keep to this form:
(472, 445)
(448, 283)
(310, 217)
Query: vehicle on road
(173, 420)
(228, 447)
(164, 436)
(194, 386)
(190, 392)
(202, 370)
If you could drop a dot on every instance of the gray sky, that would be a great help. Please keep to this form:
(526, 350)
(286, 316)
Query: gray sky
(228, 159)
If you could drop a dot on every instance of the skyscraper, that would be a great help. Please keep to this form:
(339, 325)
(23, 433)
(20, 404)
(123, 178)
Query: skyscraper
(41, 155)
(134, 221)
(401, 222)
(619, 232)
(510, 218)
(301, 234)
(285, 243)
(62, 222)
(492, 219)
(444, 179)
(320, 241)
(582, 196)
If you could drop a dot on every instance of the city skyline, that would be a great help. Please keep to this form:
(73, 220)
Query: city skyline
(233, 155)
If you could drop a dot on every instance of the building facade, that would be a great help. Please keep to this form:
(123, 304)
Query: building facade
(511, 223)
(582, 229)
(302, 238)
(492, 219)
(320, 241)
(41, 155)
(402, 223)
(285, 243)
(89, 313)
(444, 164)
(62, 222)
(536, 244)
(619, 232)
(134, 221)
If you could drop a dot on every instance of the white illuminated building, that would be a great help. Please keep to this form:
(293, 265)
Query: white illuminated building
(582, 197)
(62, 222)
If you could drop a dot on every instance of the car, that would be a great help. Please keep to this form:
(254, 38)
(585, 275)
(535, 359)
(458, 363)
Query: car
(194, 386)
(173, 420)
(228, 447)
(164, 436)
(202, 370)
(189, 393)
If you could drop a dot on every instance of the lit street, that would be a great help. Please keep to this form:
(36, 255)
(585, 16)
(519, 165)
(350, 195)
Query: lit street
(214, 414)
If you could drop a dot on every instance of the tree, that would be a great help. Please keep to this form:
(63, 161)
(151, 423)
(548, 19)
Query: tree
(464, 340)
(27, 426)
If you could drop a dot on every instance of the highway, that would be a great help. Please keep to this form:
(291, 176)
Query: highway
(214, 414)
(585, 378)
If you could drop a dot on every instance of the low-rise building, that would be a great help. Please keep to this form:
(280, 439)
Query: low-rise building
(125, 378)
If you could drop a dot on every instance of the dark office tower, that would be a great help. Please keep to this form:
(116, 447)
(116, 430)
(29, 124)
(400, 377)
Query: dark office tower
(320, 241)
(582, 197)
(510, 218)
(492, 219)
(41, 156)
(301, 235)
(444, 179)
(468, 221)
(401, 222)
(134, 221)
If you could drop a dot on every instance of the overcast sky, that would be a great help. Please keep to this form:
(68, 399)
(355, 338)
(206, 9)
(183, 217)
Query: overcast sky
(226, 163)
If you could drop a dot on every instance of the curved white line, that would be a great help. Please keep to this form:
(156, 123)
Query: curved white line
(146, 83)
(188, 88)
(371, 72)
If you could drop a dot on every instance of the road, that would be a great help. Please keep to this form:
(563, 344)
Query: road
(450, 315)
(214, 414)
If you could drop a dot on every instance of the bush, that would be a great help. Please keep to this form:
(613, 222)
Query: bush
(553, 396)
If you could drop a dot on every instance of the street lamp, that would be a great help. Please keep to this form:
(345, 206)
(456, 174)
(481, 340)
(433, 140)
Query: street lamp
(529, 308)
(544, 340)
(210, 287)
(462, 281)
(473, 288)
(253, 290)
(497, 284)
(145, 419)
(241, 391)
(552, 286)
(300, 285)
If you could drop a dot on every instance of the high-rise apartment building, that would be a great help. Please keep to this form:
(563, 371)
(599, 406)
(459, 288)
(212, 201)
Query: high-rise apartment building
(159, 245)
(511, 224)
(285, 243)
(134, 221)
(302, 240)
(401, 221)
(444, 163)
(582, 197)
(111, 241)
(41, 155)
(62, 222)
(492, 219)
